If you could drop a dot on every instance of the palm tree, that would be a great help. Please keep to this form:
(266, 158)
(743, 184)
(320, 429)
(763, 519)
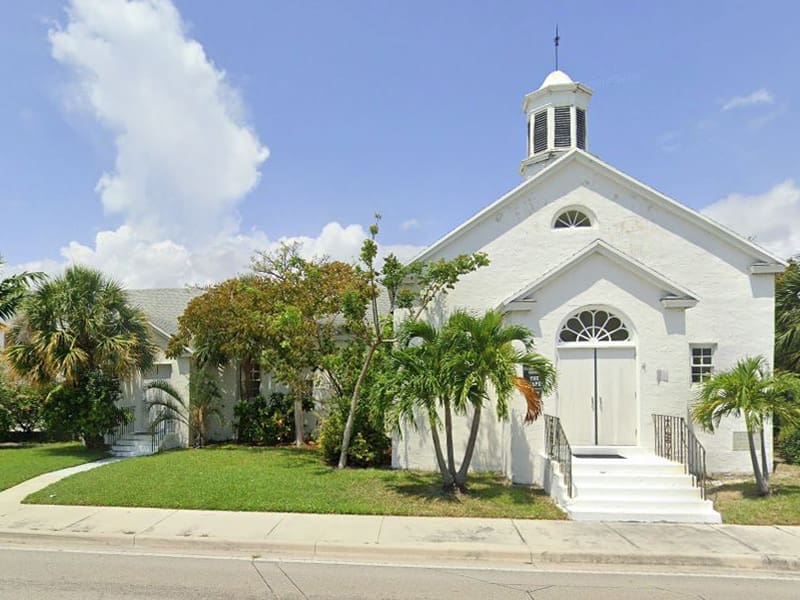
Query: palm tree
(204, 397)
(13, 290)
(469, 362)
(748, 390)
(75, 324)
(483, 362)
(787, 318)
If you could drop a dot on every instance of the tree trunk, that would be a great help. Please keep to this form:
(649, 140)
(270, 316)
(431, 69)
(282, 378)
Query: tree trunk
(764, 462)
(461, 476)
(93, 442)
(351, 416)
(447, 476)
(299, 425)
(761, 484)
(448, 436)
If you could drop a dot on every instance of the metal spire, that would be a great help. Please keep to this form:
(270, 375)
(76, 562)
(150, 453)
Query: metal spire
(555, 41)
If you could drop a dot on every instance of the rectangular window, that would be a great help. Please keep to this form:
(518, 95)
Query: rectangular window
(163, 371)
(702, 363)
(562, 127)
(540, 131)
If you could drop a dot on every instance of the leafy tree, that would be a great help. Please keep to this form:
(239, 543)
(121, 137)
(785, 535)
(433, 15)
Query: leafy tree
(80, 331)
(203, 406)
(304, 321)
(411, 287)
(787, 319)
(748, 390)
(13, 290)
(88, 409)
(457, 370)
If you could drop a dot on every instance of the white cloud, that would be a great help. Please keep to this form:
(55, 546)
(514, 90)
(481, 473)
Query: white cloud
(185, 158)
(410, 224)
(760, 96)
(770, 219)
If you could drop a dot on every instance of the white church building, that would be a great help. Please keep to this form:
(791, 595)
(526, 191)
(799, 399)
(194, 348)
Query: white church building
(636, 299)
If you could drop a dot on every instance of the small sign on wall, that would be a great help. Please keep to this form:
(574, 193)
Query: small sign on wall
(534, 378)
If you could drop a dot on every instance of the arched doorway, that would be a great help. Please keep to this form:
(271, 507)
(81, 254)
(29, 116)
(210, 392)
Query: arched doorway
(597, 401)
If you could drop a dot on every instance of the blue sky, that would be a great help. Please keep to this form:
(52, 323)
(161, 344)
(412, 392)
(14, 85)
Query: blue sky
(412, 109)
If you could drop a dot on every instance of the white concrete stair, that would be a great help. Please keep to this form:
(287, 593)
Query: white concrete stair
(133, 444)
(639, 487)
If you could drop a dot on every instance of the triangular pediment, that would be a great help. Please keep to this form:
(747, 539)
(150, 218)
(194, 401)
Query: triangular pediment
(764, 261)
(674, 295)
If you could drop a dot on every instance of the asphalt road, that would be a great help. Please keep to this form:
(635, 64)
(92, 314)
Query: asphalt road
(88, 575)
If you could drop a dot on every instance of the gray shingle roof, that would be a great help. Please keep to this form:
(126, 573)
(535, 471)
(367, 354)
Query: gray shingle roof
(163, 306)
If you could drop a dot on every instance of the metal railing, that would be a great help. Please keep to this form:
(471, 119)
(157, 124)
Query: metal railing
(675, 441)
(125, 427)
(558, 449)
(160, 430)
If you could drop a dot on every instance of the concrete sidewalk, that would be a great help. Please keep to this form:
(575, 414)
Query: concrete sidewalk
(417, 540)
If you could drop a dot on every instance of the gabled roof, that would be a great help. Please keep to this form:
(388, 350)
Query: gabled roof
(576, 155)
(676, 296)
(163, 306)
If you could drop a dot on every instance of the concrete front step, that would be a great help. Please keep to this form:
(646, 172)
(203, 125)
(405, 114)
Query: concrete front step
(640, 505)
(137, 444)
(637, 487)
(651, 493)
(624, 481)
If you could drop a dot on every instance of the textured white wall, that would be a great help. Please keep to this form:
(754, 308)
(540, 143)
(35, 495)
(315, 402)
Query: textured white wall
(735, 309)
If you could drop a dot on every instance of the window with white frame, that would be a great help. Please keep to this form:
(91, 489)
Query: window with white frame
(702, 363)
(159, 371)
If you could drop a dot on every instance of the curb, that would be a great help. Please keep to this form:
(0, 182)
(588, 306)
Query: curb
(410, 553)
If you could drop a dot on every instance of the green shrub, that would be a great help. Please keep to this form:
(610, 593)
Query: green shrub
(5, 422)
(267, 421)
(24, 403)
(87, 410)
(369, 445)
(789, 444)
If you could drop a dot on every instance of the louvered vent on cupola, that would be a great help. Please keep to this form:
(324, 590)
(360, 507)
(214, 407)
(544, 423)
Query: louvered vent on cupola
(540, 131)
(562, 127)
(580, 128)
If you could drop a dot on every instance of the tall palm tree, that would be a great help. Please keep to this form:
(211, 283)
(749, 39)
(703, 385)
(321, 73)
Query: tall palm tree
(483, 365)
(75, 324)
(468, 363)
(13, 290)
(750, 391)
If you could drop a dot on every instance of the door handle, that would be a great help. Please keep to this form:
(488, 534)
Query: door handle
(601, 403)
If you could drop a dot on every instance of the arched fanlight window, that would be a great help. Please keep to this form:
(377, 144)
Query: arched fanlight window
(589, 326)
(572, 218)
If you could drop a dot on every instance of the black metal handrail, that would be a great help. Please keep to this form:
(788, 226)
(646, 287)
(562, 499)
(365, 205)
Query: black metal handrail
(675, 441)
(160, 430)
(558, 449)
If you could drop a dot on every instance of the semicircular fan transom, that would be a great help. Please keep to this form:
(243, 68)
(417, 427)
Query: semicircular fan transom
(572, 218)
(592, 326)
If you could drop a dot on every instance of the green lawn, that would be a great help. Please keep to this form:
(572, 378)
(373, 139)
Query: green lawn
(739, 503)
(18, 463)
(287, 480)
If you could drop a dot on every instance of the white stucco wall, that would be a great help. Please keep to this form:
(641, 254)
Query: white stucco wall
(134, 395)
(734, 312)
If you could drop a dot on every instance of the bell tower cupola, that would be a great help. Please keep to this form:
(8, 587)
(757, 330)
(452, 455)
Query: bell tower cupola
(556, 115)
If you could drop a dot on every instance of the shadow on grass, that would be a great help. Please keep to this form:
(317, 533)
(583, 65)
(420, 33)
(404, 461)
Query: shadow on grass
(424, 486)
(75, 450)
(748, 490)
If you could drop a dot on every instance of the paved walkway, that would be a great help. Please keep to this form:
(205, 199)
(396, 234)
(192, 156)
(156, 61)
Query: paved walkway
(384, 539)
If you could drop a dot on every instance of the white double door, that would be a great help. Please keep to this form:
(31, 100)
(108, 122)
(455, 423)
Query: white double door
(597, 395)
